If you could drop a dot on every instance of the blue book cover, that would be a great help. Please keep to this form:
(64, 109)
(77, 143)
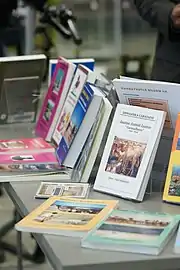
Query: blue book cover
(90, 63)
(75, 122)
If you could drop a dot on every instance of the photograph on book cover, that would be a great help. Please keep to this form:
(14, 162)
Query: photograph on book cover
(174, 185)
(125, 157)
(58, 81)
(137, 226)
(22, 157)
(61, 212)
(155, 104)
(48, 111)
(50, 189)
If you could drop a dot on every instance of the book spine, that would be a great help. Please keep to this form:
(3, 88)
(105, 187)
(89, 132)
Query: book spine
(74, 123)
(83, 157)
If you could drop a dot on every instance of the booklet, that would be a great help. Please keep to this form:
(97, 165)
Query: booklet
(130, 150)
(49, 189)
(133, 231)
(66, 216)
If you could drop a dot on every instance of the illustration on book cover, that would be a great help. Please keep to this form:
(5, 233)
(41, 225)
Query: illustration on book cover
(125, 157)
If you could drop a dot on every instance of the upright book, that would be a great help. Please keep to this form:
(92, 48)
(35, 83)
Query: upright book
(74, 93)
(75, 122)
(66, 216)
(130, 151)
(54, 99)
(172, 183)
(133, 231)
(159, 96)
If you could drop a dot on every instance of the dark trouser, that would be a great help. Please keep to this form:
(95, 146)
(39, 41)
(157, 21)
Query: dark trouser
(164, 70)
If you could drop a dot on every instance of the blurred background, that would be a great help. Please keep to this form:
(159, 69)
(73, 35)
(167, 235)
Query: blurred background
(112, 33)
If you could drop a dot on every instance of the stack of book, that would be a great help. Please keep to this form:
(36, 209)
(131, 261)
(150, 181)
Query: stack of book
(99, 224)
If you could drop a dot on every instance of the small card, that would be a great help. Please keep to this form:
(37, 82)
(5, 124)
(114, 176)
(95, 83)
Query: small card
(75, 190)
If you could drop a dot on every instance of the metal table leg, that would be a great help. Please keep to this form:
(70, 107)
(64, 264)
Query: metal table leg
(19, 247)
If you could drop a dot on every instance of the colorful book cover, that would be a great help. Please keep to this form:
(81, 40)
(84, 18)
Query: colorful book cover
(31, 158)
(53, 98)
(25, 145)
(123, 230)
(172, 184)
(76, 88)
(74, 123)
(58, 215)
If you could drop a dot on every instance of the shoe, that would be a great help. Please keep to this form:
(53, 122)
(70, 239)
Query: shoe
(38, 256)
(2, 256)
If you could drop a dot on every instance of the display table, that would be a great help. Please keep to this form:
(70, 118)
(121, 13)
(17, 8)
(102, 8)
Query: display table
(66, 253)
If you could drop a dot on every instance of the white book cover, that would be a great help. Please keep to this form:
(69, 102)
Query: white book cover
(159, 96)
(75, 90)
(97, 141)
(130, 145)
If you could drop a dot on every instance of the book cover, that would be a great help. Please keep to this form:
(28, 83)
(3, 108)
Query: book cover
(66, 216)
(46, 157)
(132, 231)
(87, 62)
(49, 189)
(54, 99)
(154, 95)
(24, 145)
(125, 164)
(172, 183)
(75, 122)
(177, 242)
(75, 90)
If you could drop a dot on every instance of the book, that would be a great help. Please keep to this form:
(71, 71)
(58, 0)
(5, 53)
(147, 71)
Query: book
(55, 99)
(132, 231)
(93, 114)
(172, 187)
(130, 151)
(20, 84)
(25, 145)
(66, 216)
(75, 122)
(87, 62)
(96, 140)
(74, 93)
(153, 95)
(49, 189)
(177, 242)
